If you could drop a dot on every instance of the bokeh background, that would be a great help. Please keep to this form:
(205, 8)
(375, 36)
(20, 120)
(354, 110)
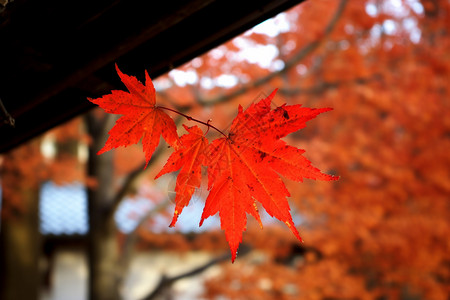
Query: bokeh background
(380, 232)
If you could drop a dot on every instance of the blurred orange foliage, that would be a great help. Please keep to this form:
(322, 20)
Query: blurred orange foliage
(381, 231)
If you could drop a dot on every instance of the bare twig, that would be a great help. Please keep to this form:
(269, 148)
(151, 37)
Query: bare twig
(130, 180)
(166, 282)
(5, 116)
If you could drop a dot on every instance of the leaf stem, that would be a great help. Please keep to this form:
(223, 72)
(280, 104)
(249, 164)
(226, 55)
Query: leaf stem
(195, 120)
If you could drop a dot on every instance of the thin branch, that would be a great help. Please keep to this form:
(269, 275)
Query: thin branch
(166, 282)
(5, 116)
(130, 180)
(305, 51)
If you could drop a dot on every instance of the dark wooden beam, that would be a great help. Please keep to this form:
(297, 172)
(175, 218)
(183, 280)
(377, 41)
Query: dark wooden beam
(56, 53)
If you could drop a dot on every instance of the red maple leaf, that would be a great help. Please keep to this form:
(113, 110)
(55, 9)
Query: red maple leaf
(141, 117)
(189, 158)
(246, 166)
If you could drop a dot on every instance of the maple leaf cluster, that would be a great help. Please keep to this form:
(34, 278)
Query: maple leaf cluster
(244, 167)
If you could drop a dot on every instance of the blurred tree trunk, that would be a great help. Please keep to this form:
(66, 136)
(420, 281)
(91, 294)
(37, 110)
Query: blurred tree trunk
(103, 250)
(19, 232)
